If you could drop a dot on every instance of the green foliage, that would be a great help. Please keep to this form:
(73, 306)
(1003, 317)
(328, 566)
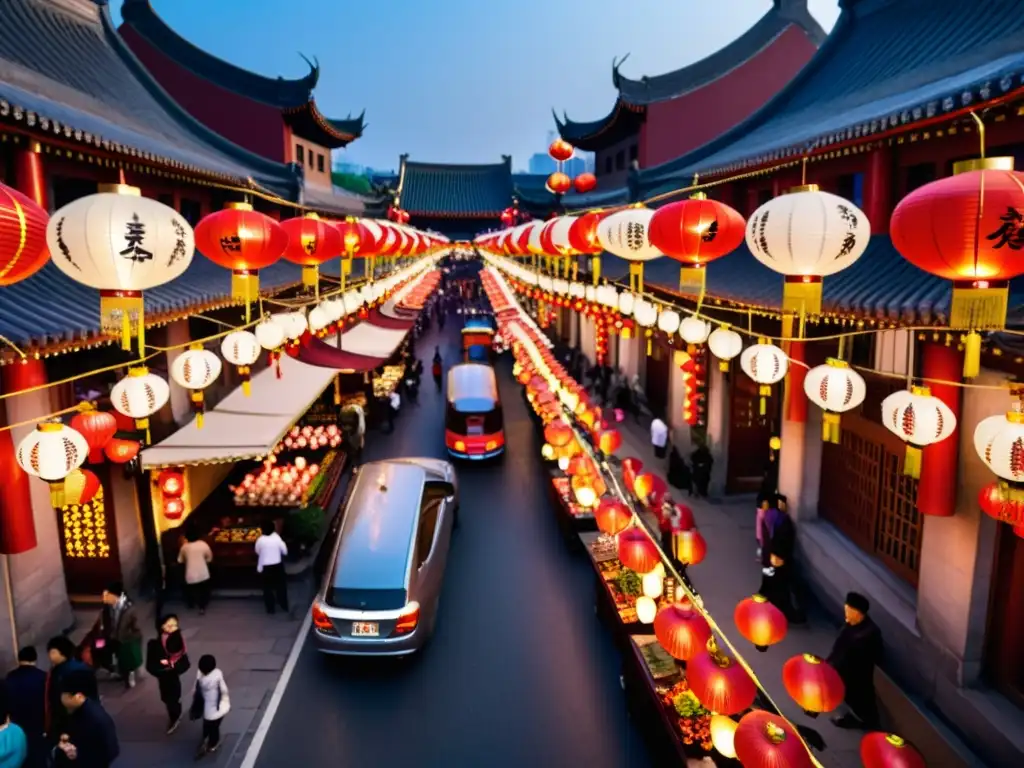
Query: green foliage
(304, 526)
(688, 705)
(351, 182)
(629, 583)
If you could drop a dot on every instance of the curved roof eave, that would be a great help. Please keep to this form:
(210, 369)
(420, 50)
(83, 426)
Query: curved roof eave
(596, 134)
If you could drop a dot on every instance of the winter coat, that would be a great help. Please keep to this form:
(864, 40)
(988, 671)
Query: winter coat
(216, 703)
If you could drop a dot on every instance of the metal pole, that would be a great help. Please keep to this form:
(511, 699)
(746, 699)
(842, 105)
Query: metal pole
(9, 589)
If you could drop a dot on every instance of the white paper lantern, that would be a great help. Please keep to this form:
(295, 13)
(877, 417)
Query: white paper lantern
(653, 584)
(626, 302)
(353, 300)
(918, 418)
(645, 313)
(270, 335)
(767, 365)
(533, 239)
(725, 344)
(51, 452)
(121, 244)
(835, 388)
(242, 349)
(806, 236)
(589, 293)
(578, 290)
(139, 395)
(646, 609)
(559, 232)
(624, 234)
(319, 318)
(294, 324)
(607, 295)
(695, 331)
(195, 369)
(561, 286)
(668, 321)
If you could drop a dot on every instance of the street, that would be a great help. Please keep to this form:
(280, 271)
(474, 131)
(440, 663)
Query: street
(520, 672)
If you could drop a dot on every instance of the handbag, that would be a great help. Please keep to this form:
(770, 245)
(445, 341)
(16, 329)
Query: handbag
(195, 712)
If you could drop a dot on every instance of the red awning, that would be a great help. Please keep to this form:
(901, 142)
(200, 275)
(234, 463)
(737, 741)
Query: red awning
(314, 351)
(392, 323)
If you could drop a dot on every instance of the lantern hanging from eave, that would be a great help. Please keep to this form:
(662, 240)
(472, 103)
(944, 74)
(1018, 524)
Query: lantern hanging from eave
(767, 365)
(682, 631)
(695, 232)
(81, 487)
(813, 684)
(766, 740)
(760, 622)
(242, 240)
(51, 452)
(558, 183)
(23, 250)
(918, 418)
(139, 395)
(121, 244)
(625, 234)
(97, 427)
(311, 242)
(560, 150)
(195, 369)
(585, 182)
(725, 344)
(637, 551)
(835, 388)
(719, 683)
(242, 349)
(805, 236)
(969, 229)
(650, 489)
(887, 750)
(583, 240)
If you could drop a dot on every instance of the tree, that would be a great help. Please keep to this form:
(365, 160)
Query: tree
(351, 182)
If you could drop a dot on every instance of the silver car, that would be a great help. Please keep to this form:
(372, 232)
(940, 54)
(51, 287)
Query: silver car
(381, 591)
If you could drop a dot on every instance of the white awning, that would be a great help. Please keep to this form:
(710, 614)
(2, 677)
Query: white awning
(243, 427)
(372, 340)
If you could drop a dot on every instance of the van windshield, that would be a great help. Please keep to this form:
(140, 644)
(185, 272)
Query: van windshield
(366, 599)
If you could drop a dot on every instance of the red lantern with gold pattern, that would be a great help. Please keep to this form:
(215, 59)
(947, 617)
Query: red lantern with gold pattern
(682, 631)
(719, 682)
(121, 451)
(696, 232)
(311, 242)
(631, 469)
(766, 740)
(887, 750)
(559, 183)
(609, 441)
(612, 516)
(23, 250)
(171, 483)
(813, 684)
(81, 487)
(689, 547)
(97, 427)
(968, 228)
(760, 622)
(996, 501)
(583, 233)
(637, 551)
(560, 150)
(585, 182)
(244, 241)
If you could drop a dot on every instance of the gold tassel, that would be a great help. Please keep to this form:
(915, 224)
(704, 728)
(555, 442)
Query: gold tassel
(912, 461)
(245, 287)
(723, 366)
(244, 372)
(197, 406)
(143, 426)
(636, 276)
(764, 405)
(801, 295)
(120, 311)
(595, 269)
(337, 389)
(830, 427)
(978, 308)
(693, 280)
(58, 497)
(972, 355)
(311, 279)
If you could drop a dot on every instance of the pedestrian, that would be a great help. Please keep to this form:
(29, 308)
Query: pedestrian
(196, 555)
(387, 413)
(395, 403)
(13, 741)
(701, 462)
(659, 438)
(435, 368)
(777, 564)
(26, 692)
(855, 654)
(61, 652)
(639, 398)
(764, 503)
(270, 553)
(167, 660)
(116, 637)
(90, 740)
(665, 515)
(213, 703)
(679, 472)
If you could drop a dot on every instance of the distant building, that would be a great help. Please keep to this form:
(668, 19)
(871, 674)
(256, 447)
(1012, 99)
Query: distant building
(574, 166)
(542, 162)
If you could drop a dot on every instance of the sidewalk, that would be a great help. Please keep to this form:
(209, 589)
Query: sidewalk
(251, 648)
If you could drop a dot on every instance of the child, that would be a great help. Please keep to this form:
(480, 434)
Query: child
(213, 690)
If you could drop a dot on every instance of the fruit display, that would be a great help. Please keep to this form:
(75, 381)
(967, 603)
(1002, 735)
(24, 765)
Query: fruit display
(692, 720)
(355, 398)
(389, 378)
(236, 535)
(604, 549)
(309, 438)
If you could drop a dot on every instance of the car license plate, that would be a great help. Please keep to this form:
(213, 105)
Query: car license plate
(365, 629)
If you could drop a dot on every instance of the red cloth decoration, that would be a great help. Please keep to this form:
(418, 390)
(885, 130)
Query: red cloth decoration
(637, 551)
(696, 231)
(936, 493)
(311, 241)
(561, 150)
(97, 427)
(612, 516)
(240, 240)
(559, 183)
(23, 250)
(887, 750)
(764, 740)
(682, 631)
(813, 684)
(720, 684)
(585, 182)
(760, 622)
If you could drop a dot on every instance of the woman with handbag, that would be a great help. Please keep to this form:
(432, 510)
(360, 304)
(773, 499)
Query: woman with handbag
(116, 638)
(210, 702)
(167, 660)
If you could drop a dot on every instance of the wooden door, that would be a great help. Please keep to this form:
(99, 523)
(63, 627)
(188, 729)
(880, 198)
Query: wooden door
(658, 369)
(749, 433)
(89, 540)
(1004, 663)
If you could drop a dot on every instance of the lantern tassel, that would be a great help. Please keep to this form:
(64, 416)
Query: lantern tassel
(692, 280)
(830, 428)
(636, 276)
(337, 390)
(972, 355)
(119, 312)
(198, 406)
(58, 496)
(311, 278)
(245, 288)
(723, 366)
(912, 462)
(801, 295)
(245, 372)
(595, 269)
(143, 426)
(763, 405)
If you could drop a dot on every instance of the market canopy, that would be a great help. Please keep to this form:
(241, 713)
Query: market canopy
(326, 354)
(373, 340)
(242, 427)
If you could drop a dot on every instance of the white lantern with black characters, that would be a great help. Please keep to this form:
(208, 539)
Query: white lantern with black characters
(242, 349)
(51, 452)
(139, 395)
(121, 244)
(767, 365)
(835, 388)
(918, 418)
(625, 234)
(807, 235)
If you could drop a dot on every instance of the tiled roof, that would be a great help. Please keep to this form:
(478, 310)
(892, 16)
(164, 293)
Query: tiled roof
(782, 15)
(276, 91)
(455, 191)
(64, 70)
(624, 120)
(887, 63)
(335, 200)
(308, 122)
(881, 284)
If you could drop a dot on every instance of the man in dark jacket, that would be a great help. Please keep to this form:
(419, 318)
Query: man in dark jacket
(63, 663)
(90, 739)
(855, 654)
(26, 693)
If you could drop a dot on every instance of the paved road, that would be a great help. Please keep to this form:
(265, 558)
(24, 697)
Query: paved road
(519, 672)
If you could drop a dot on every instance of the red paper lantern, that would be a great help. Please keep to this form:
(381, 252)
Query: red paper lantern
(311, 242)
(631, 468)
(996, 501)
(174, 509)
(583, 233)
(612, 516)
(650, 489)
(695, 232)
(559, 183)
(558, 433)
(585, 182)
(637, 551)
(23, 250)
(171, 483)
(760, 622)
(690, 547)
(609, 441)
(244, 241)
(719, 683)
(887, 750)
(121, 451)
(97, 427)
(524, 376)
(682, 631)
(813, 684)
(686, 520)
(81, 487)
(561, 150)
(765, 740)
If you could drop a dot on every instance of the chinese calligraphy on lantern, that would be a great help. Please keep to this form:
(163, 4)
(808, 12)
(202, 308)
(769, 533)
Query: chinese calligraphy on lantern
(636, 236)
(134, 238)
(179, 242)
(1010, 233)
(710, 233)
(231, 244)
(848, 217)
(309, 244)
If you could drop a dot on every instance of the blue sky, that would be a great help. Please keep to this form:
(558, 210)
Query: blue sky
(463, 81)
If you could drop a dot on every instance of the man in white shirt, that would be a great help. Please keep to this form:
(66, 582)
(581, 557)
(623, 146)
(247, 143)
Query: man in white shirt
(270, 553)
(659, 438)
